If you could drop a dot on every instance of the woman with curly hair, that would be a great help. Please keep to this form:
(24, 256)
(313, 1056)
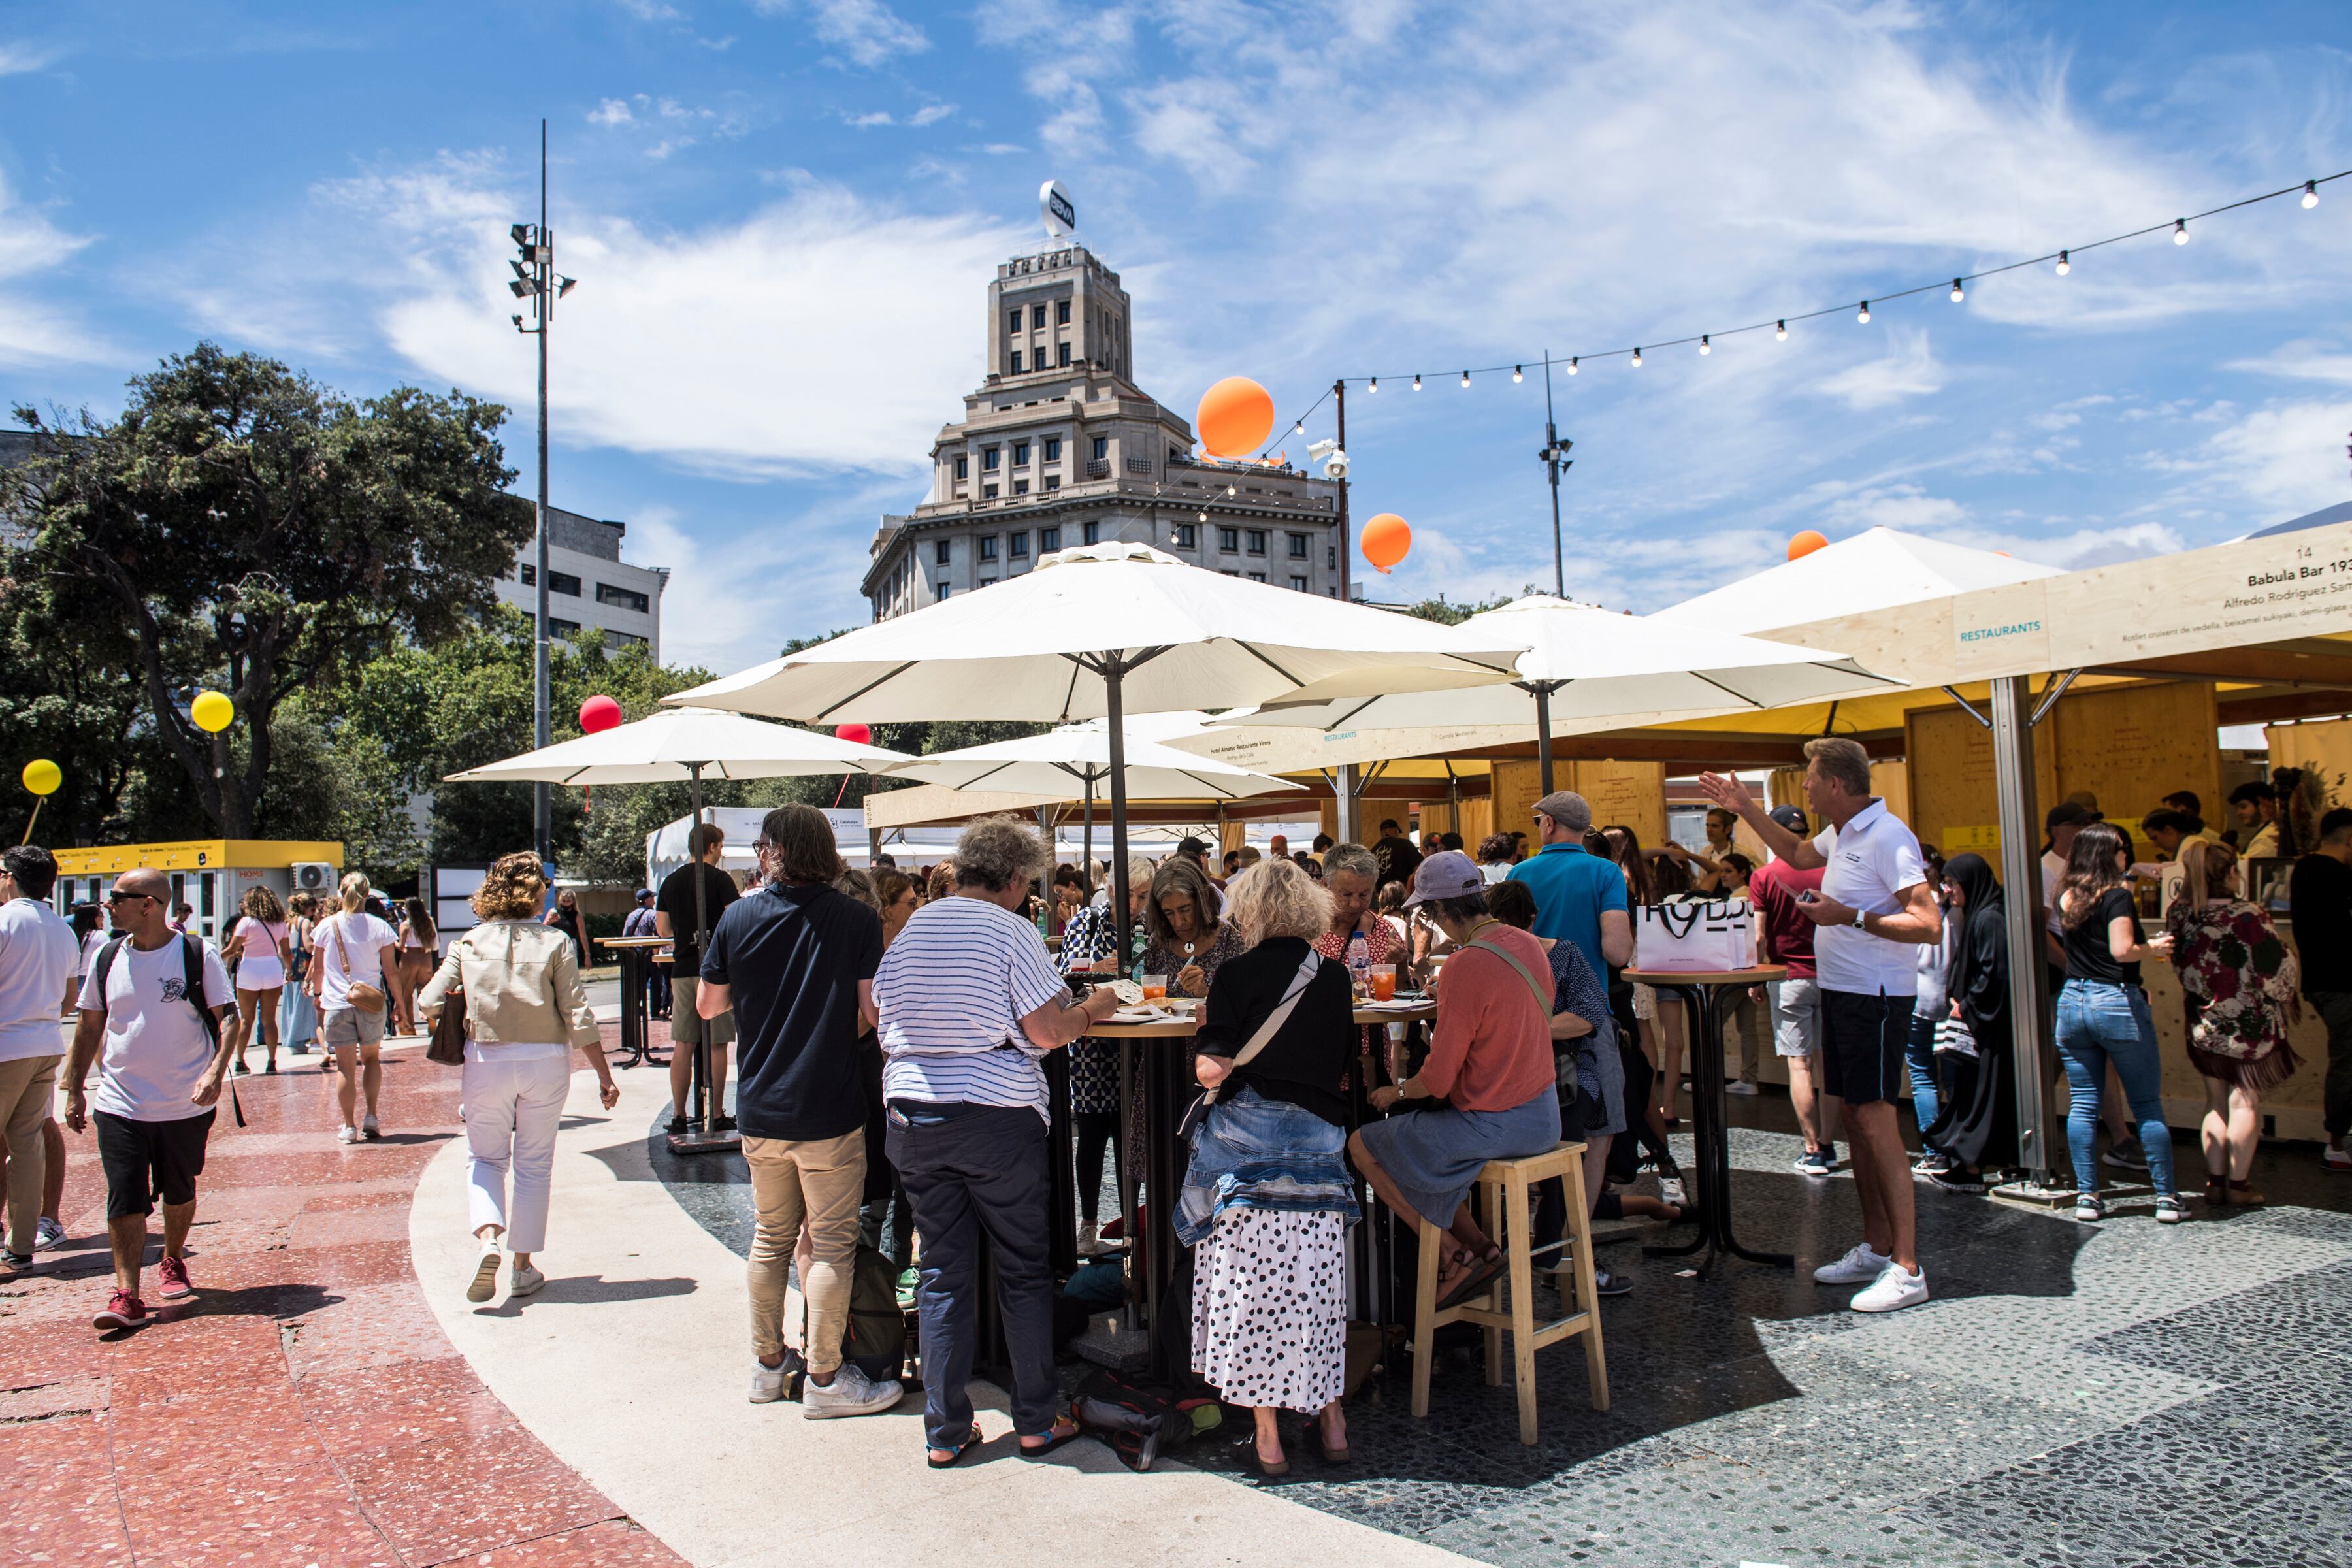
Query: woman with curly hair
(2243, 979)
(259, 942)
(519, 982)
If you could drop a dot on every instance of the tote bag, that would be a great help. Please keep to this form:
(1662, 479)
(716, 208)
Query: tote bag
(1692, 935)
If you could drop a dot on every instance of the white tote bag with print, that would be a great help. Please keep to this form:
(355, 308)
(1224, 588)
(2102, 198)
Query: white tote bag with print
(1693, 935)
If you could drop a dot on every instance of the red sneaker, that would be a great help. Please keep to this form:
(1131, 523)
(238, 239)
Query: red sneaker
(124, 1311)
(174, 1281)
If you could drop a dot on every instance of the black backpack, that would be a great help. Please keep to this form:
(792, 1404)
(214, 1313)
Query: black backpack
(876, 1339)
(192, 968)
(1136, 1421)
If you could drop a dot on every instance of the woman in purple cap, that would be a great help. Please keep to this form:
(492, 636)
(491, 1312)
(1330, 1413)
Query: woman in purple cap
(1490, 1060)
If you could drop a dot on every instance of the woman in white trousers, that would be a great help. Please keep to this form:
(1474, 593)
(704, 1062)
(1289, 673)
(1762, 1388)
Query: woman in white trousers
(525, 1012)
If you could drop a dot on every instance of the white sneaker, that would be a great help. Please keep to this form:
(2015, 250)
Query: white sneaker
(369, 1128)
(768, 1383)
(851, 1392)
(1743, 1086)
(485, 1282)
(1858, 1267)
(2336, 1159)
(1897, 1287)
(525, 1280)
(1671, 1190)
(1089, 1243)
(349, 1134)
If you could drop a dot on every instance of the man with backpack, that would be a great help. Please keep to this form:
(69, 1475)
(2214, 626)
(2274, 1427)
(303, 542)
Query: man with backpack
(795, 960)
(158, 1016)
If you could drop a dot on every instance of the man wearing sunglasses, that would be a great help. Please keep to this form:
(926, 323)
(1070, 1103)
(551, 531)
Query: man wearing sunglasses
(160, 1020)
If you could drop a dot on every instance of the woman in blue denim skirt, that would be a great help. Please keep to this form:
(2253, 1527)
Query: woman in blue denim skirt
(1267, 1201)
(2103, 1015)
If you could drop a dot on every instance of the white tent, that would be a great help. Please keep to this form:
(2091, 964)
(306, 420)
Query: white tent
(675, 745)
(1878, 569)
(1071, 761)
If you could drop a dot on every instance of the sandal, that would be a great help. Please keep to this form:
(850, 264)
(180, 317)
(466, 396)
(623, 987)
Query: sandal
(1480, 1273)
(1053, 1439)
(970, 1441)
(1330, 1455)
(1271, 1468)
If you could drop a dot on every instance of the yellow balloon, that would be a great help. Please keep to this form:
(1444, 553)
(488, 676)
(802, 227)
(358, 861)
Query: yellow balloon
(212, 712)
(43, 776)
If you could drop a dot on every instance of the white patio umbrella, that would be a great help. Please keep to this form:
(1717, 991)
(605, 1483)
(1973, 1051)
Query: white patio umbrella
(1070, 761)
(1584, 663)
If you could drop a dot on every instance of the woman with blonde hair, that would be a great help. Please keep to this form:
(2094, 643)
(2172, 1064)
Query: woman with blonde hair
(258, 943)
(1267, 1200)
(2243, 981)
(519, 981)
(353, 951)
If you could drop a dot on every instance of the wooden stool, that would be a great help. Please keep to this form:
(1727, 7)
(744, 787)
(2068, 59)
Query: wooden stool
(1508, 1211)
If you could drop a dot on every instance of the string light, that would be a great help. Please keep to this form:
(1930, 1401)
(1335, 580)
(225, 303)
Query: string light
(1958, 293)
(1416, 380)
(1571, 364)
(2180, 231)
(1637, 359)
(1863, 314)
(1517, 374)
(1705, 347)
(1781, 331)
(1300, 428)
(2065, 264)
(1465, 381)
(1376, 383)
(2310, 195)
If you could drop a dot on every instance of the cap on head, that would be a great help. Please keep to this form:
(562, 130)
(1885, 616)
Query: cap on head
(1790, 817)
(644, 893)
(1568, 808)
(1450, 874)
(2066, 814)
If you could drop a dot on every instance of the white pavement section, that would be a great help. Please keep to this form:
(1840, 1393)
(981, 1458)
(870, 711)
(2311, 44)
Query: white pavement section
(633, 1363)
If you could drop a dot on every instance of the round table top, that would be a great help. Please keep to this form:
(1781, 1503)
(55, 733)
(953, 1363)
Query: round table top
(1761, 974)
(1185, 1028)
(631, 940)
(1404, 1011)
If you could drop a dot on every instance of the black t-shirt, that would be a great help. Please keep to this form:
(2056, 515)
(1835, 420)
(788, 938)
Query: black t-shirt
(2088, 956)
(793, 955)
(1396, 858)
(2319, 901)
(676, 901)
(1303, 1064)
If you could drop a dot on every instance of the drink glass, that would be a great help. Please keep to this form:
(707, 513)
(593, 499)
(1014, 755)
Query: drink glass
(1155, 988)
(1384, 982)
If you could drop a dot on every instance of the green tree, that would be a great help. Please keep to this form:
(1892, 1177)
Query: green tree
(241, 525)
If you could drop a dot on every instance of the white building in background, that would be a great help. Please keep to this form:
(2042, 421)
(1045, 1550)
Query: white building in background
(588, 583)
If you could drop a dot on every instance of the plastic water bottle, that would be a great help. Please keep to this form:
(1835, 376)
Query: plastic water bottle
(1359, 964)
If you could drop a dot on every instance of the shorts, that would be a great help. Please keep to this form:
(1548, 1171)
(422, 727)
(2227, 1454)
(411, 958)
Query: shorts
(1797, 1017)
(688, 1028)
(263, 973)
(144, 1161)
(1862, 1060)
(354, 1026)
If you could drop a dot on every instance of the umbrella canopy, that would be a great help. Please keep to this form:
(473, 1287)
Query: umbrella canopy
(676, 744)
(1047, 644)
(1875, 570)
(1073, 761)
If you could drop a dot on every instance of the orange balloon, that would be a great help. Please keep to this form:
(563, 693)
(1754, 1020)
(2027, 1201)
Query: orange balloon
(1805, 543)
(1234, 418)
(1386, 540)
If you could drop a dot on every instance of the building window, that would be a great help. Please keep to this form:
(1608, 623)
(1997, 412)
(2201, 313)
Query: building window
(1049, 540)
(1229, 572)
(1229, 540)
(623, 598)
(1062, 354)
(1175, 454)
(1093, 532)
(1256, 540)
(987, 456)
(1102, 448)
(556, 628)
(612, 636)
(988, 581)
(1062, 312)
(1020, 454)
(941, 551)
(988, 492)
(1037, 316)
(1257, 576)
(1017, 544)
(1016, 362)
(1297, 546)
(963, 465)
(1298, 584)
(527, 575)
(1021, 487)
(1331, 557)
(1053, 481)
(1012, 320)
(988, 547)
(943, 590)
(1188, 536)
(563, 582)
(1053, 448)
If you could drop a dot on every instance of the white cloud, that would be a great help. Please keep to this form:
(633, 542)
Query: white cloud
(31, 330)
(709, 617)
(649, 10)
(611, 111)
(1908, 370)
(15, 59)
(862, 122)
(2284, 459)
(931, 114)
(2302, 360)
(867, 31)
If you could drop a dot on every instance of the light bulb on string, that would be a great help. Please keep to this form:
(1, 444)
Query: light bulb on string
(1465, 381)
(1781, 331)
(1376, 383)
(1571, 364)
(1863, 314)
(1958, 293)
(2065, 264)
(2180, 231)
(1416, 380)
(1202, 516)
(1704, 346)
(1300, 428)
(1637, 359)
(2310, 195)
(1517, 375)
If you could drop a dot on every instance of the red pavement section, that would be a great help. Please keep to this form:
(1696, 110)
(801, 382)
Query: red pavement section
(305, 1409)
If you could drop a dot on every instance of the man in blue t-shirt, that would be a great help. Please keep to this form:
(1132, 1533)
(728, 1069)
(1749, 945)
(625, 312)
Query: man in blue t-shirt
(1580, 897)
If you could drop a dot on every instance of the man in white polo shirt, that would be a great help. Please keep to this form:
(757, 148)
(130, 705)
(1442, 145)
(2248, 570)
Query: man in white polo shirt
(1873, 909)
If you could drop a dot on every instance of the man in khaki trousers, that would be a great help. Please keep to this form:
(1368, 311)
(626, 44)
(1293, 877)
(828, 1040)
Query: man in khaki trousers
(795, 961)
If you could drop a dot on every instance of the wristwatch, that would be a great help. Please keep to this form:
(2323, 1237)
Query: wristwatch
(1858, 916)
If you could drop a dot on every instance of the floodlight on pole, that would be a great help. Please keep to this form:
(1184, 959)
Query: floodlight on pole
(535, 280)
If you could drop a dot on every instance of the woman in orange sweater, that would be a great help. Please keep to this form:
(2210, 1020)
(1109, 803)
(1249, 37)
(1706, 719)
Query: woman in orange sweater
(1490, 1060)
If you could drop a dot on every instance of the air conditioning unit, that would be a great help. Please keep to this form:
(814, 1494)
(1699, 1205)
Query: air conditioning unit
(313, 876)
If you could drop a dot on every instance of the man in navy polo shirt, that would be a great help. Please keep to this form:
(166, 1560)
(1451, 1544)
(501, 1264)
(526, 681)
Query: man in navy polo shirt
(1580, 897)
(1873, 909)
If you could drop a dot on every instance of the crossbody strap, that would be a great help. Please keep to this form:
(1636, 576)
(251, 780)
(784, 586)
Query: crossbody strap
(1542, 993)
(1276, 1019)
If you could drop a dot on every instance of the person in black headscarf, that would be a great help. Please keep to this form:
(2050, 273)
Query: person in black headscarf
(1978, 1126)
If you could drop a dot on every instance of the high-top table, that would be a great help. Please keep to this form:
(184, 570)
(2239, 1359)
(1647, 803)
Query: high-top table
(1702, 994)
(637, 955)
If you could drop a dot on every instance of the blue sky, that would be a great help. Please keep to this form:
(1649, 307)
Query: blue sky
(784, 213)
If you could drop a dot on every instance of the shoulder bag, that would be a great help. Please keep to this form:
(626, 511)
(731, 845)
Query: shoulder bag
(1199, 1108)
(447, 1045)
(367, 998)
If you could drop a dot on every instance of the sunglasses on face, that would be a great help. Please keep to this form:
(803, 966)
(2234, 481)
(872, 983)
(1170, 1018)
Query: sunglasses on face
(125, 898)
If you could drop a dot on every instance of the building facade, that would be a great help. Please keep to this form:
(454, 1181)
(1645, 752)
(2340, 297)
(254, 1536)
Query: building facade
(588, 583)
(1060, 447)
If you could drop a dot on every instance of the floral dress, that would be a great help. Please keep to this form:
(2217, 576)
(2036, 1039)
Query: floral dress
(2236, 967)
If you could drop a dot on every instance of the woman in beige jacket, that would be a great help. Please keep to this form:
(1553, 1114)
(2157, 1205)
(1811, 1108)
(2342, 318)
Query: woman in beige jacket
(525, 1010)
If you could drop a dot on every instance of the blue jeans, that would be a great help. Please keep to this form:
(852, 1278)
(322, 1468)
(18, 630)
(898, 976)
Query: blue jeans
(1919, 1051)
(2098, 1024)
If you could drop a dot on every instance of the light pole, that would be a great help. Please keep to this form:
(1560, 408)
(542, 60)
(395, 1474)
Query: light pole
(535, 280)
(1554, 457)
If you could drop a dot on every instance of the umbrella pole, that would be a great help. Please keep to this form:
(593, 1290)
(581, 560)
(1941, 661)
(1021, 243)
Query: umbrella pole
(702, 926)
(1542, 689)
(1087, 842)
